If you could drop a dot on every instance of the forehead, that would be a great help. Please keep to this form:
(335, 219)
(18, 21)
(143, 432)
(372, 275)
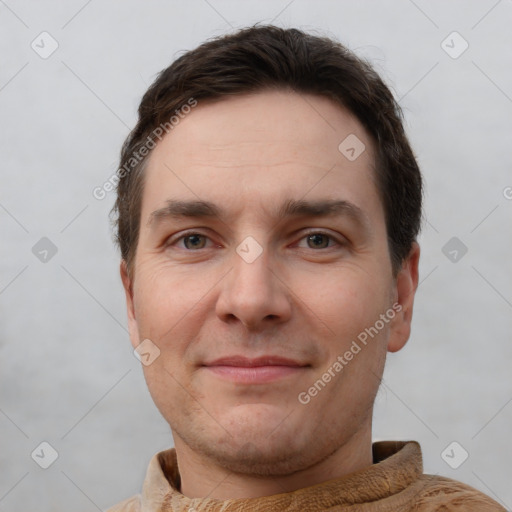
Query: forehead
(268, 146)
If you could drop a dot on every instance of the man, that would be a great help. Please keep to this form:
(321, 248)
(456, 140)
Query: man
(267, 213)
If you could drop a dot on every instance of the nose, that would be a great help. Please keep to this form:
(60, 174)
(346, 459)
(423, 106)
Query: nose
(254, 294)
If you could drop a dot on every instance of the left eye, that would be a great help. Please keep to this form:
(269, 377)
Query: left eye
(319, 240)
(194, 241)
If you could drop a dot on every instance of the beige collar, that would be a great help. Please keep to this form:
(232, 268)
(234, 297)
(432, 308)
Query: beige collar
(396, 466)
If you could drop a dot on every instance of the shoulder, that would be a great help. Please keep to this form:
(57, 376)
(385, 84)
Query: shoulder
(437, 493)
(129, 505)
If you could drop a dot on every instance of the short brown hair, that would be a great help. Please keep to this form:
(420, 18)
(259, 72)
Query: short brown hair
(262, 57)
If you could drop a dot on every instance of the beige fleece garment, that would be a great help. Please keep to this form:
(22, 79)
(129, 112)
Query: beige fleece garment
(394, 483)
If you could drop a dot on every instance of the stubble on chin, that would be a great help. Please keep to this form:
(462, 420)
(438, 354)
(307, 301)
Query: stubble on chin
(283, 453)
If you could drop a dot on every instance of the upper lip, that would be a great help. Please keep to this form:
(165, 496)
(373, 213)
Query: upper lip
(248, 362)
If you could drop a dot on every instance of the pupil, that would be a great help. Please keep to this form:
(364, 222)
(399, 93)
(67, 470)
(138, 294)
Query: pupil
(317, 240)
(193, 240)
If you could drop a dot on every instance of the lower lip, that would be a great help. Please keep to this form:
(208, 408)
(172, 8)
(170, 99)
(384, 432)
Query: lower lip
(254, 374)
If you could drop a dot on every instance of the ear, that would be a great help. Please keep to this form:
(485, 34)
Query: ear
(128, 290)
(406, 284)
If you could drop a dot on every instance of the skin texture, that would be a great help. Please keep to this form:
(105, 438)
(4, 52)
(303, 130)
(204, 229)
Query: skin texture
(304, 298)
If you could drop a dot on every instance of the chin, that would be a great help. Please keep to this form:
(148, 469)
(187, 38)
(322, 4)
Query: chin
(264, 424)
(256, 457)
(251, 442)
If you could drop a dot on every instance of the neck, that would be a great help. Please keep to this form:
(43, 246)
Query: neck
(201, 477)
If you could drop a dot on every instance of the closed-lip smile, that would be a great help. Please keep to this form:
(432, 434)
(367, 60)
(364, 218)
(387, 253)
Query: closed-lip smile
(258, 370)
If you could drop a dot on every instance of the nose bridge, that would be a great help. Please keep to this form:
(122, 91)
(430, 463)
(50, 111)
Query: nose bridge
(252, 293)
(251, 274)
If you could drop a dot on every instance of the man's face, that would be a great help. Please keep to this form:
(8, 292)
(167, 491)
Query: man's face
(252, 303)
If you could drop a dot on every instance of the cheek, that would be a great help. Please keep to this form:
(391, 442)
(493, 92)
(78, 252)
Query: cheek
(171, 390)
(165, 304)
(165, 289)
(345, 300)
(163, 300)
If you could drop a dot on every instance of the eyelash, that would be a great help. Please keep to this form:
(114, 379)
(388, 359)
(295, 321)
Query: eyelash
(192, 233)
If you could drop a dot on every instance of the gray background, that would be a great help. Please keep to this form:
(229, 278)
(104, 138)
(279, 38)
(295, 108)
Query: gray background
(68, 375)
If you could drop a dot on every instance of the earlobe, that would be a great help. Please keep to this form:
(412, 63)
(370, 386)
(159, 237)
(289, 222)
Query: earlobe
(130, 308)
(406, 285)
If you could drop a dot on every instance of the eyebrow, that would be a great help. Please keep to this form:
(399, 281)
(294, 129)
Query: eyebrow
(176, 209)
